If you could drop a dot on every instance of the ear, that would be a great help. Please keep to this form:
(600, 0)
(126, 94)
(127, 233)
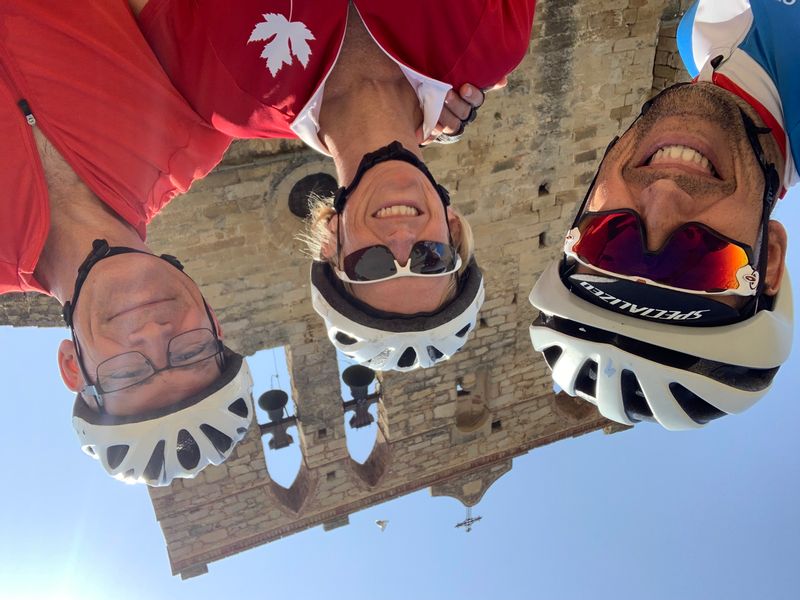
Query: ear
(328, 249)
(69, 367)
(776, 257)
(217, 324)
(455, 226)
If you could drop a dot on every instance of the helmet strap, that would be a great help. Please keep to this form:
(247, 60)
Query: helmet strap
(394, 151)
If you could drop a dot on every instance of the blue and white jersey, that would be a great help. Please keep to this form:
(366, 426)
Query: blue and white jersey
(759, 41)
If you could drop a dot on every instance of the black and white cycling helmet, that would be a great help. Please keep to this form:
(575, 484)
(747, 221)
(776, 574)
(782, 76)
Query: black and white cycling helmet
(643, 352)
(634, 369)
(388, 341)
(176, 441)
(179, 440)
(385, 341)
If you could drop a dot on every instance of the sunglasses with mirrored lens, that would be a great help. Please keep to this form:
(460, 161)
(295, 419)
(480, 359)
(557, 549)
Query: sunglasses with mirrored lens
(695, 258)
(377, 263)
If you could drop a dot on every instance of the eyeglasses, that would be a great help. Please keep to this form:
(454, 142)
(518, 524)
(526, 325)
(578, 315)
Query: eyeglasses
(377, 263)
(695, 258)
(126, 370)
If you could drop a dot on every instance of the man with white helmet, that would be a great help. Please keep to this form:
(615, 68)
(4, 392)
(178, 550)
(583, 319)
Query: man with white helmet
(394, 276)
(671, 302)
(95, 141)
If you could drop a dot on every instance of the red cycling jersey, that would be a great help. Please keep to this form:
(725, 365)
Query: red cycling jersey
(251, 70)
(91, 83)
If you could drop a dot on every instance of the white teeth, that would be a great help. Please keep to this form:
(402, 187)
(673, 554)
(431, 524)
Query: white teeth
(397, 210)
(682, 153)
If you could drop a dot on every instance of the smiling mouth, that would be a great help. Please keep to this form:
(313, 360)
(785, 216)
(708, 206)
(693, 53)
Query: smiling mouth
(682, 157)
(397, 210)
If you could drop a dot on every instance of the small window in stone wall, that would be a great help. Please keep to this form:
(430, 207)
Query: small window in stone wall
(361, 441)
(269, 371)
(472, 408)
(316, 185)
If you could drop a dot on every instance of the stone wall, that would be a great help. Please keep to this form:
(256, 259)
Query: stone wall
(517, 174)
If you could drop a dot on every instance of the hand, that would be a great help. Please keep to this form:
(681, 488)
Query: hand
(459, 110)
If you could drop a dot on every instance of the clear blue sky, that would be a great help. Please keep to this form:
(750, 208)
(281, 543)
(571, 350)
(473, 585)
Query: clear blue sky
(642, 514)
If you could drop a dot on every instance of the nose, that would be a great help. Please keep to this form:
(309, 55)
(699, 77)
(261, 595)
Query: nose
(400, 242)
(151, 339)
(664, 207)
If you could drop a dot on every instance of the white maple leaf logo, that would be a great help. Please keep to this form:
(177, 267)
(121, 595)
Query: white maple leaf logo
(288, 39)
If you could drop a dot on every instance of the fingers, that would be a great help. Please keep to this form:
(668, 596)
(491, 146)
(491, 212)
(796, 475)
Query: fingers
(499, 85)
(471, 94)
(460, 109)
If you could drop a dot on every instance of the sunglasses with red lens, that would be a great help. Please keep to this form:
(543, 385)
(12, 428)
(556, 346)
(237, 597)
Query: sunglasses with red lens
(377, 263)
(695, 258)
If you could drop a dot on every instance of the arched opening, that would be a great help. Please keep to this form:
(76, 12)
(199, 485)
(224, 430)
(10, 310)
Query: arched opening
(283, 460)
(361, 430)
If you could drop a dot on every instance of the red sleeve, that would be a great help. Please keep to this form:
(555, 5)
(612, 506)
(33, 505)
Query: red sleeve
(469, 41)
(100, 96)
(204, 47)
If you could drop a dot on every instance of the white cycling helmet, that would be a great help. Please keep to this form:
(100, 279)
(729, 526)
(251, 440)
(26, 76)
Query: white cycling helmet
(386, 342)
(176, 441)
(633, 369)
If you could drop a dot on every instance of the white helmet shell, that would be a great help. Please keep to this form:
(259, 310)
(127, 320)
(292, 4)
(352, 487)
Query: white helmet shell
(632, 369)
(178, 441)
(398, 343)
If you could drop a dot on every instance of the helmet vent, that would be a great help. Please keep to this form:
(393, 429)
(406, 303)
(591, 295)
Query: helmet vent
(551, 355)
(434, 353)
(693, 405)
(188, 452)
(155, 466)
(633, 400)
(345, 339)
(408, 358)
(221, 441)
(379, 360)
(116, 454)
(586, 382)
(741, 378)
(239, 408)
(464, 330)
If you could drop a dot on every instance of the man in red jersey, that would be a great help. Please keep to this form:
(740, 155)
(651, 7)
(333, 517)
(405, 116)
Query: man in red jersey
(95, 142)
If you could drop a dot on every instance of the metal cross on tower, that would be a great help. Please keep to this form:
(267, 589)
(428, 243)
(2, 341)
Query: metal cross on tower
(469, 521)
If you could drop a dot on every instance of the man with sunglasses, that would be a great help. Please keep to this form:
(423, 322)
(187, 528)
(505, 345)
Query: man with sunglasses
(95, 142)
(394, 279)
(671, 302)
